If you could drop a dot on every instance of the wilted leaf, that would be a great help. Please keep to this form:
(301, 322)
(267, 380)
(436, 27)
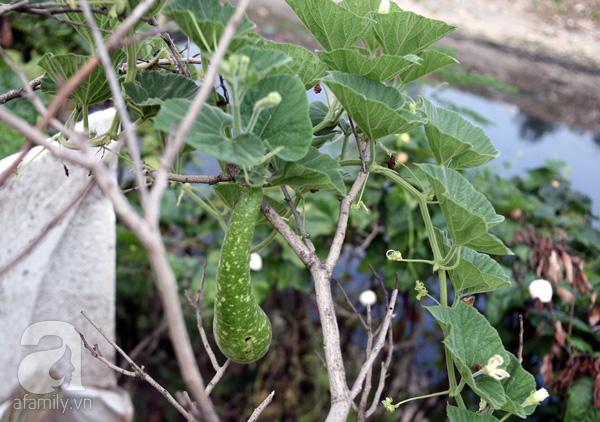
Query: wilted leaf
(595, 316)
(559, 334)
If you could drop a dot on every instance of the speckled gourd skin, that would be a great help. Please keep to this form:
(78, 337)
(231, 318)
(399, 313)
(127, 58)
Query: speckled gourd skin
(241, 328)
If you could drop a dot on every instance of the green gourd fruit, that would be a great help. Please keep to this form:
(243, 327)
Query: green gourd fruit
(242, 329)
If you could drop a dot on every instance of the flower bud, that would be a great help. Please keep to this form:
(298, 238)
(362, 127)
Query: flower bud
(536, 397)
(384, 6)
(367, 298)
(255, 262)
(541, 289)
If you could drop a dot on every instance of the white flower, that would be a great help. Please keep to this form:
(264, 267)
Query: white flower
(491, 369)
(255, 262)
(368, 297)
(384, 6)
(536, 397)
(541, 289)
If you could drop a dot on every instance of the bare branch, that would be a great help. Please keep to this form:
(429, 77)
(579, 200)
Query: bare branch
(139, 372)
(147, 341)
(382, 375)
(261, 407)
(118, 99)
(174, 51)
(360, 318)
(228, 176)
(298, 219)
(34, 84)
(376, 348)
(217, 377)
(306, 255)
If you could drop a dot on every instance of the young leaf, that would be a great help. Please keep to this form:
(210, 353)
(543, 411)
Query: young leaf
(285, 125)
(468, 213)
(151, 89)
(315, 171)
(452, 137)
(304, 64)
(61, 68)
(456, 414)
(332, 25)
(353, 60)
(431, 60)
(401, 33)
(204, 21)
(207, 134)
(518, 388)
(376, 108)
(103, 21)
(262, 61)
(472, 340)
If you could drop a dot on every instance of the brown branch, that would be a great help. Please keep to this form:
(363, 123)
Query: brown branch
(147, 341)
(376, 348)
(360, 318)
(298, 219)
(34, 84)
(174, 51)
(261, 407)
(228, 176)
(138, 372)
(382, 375)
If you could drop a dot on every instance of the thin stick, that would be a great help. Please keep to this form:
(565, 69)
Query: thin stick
(297, 217)
(118, 99)
(34, 84)
(217, 377)
(363, 163)
(261, 407)
(360, 318)
(382, 375)
(139, 372)
(376, 348)
(209, 180)
(520, 354)
(174, 51)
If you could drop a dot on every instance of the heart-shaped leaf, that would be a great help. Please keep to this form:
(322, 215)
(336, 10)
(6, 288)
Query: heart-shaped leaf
(208, 133)
(456, 414)
(334, 26)
(451, 137)
(476, 273)
(61, 68)
(376, 108)
(518, 388)
(262, 61)
(353, 60)
(468, 213)
(151, 89)
(103, 21)
(400, 33)
(472, 341)
(204, 21)
(432, 60)
(304, 64)
(315, 171)
(285, 125)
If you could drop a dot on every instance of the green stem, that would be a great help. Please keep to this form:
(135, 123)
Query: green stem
(86, 121)
(131, 60)
(344, 148)
(441, 393)
(265, 242)
(188, 190)
(346, 163)
(505, 417)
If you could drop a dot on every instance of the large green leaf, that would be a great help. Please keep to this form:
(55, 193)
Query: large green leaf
(451, 137)
(286, 125)
(400, 33)
(353, 60)
(304, 64)
(204, 21)
(262, 62)
(61, 68)
(376, 108)
(432, 60)
(518, 388)
(315, 171)
(334, 26)
(456, 414)
(471, 340)
(150, 90)
(580, 404)
(476, 273)
(468, 213)
(208, 133)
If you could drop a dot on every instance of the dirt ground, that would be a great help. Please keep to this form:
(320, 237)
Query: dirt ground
(548, 49)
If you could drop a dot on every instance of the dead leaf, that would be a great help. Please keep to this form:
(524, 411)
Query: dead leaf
(565, 294)
(568, 266)
(559, 334)
(581, 283)
(595, 316)
(554, 272)
(546, 369)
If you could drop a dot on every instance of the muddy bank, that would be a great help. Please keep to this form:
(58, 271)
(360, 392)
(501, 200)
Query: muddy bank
(550, 56)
